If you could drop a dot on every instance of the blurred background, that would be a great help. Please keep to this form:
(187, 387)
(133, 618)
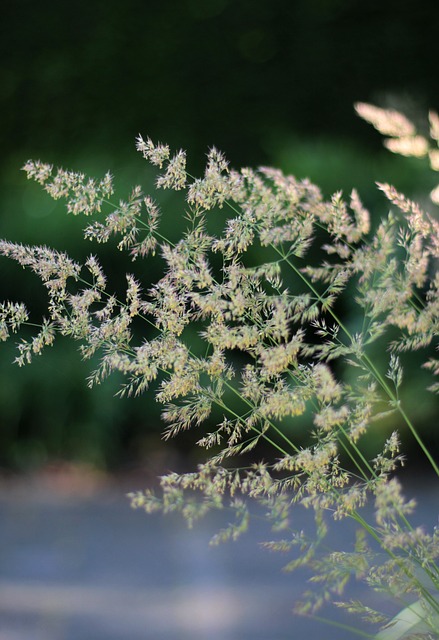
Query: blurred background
(268, 82)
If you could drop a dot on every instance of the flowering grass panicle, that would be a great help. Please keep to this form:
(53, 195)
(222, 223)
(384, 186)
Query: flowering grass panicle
(247, 332)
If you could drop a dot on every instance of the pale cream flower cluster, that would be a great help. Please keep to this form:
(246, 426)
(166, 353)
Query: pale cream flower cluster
(244, 330)
(404, 139)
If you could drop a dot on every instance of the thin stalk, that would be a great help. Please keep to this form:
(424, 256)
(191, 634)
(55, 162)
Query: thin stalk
(345, 627)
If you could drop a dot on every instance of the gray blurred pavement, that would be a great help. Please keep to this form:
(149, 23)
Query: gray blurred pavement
(88, 567)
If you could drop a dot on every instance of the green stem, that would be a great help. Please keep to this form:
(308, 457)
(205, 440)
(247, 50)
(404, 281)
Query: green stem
(341, 625)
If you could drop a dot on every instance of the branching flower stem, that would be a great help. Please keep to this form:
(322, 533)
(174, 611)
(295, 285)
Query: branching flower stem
(365, 360)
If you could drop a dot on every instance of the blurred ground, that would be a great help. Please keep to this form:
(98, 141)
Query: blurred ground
(77, 563)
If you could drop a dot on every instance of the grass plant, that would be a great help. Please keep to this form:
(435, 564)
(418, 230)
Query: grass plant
(267, 312)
